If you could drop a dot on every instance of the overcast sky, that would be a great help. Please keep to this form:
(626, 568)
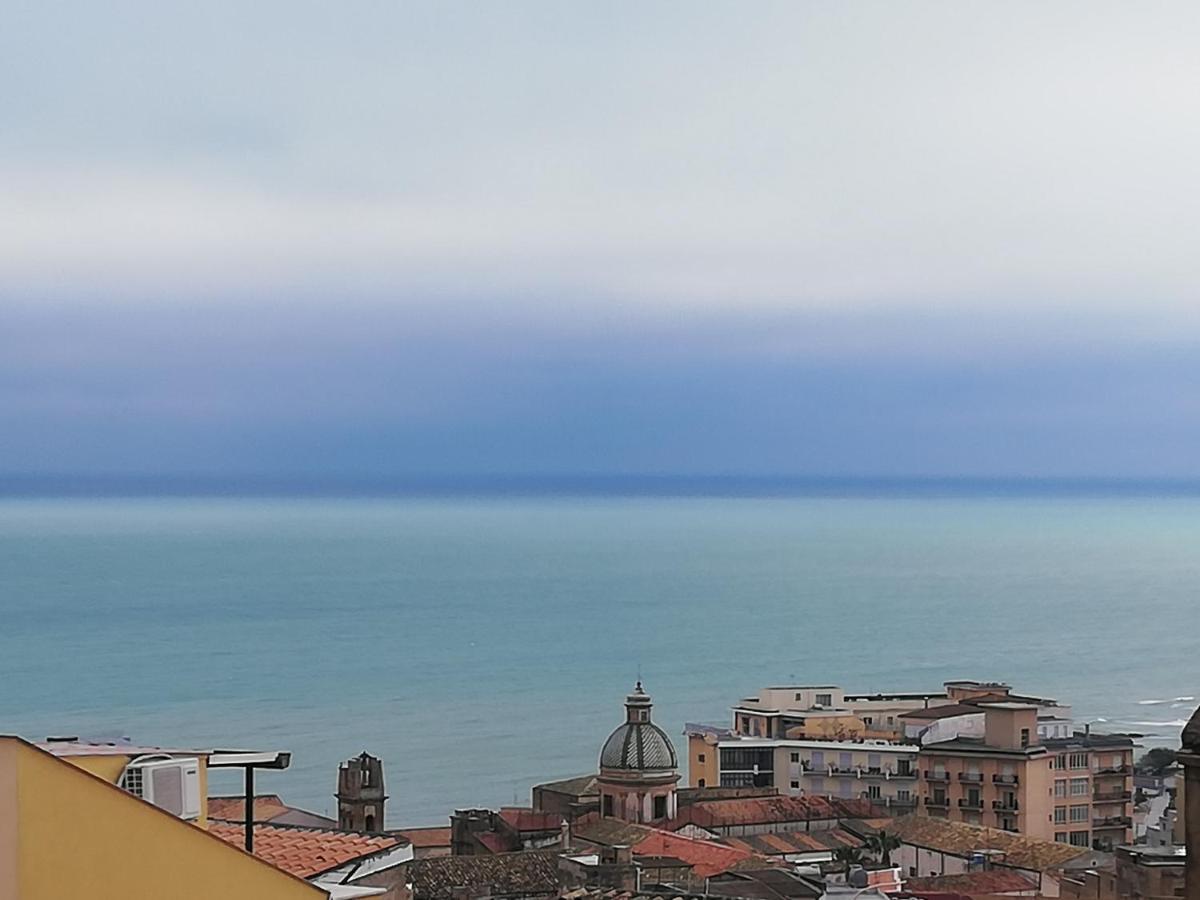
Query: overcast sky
(441, 238)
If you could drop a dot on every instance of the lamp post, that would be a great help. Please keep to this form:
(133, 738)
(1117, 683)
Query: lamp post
(249, 761)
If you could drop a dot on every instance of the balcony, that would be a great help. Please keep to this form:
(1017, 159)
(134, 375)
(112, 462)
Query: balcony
(937, 776)
(902, 802)
(845, 770)
(971, 777)
(1111, 771)
(1112, 796)
(1005, 779)
(968, 803)
(1112, 822)
(938, 802)
(1005, 805)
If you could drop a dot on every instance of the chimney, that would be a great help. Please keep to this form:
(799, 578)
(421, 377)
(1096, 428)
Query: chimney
(564, 834)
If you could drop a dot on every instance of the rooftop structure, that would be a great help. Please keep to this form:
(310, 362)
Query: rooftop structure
(311, 852)
(638, 766)
(524, 874)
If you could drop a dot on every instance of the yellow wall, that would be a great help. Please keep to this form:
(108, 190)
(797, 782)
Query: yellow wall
(110, 768)
(77, 836)
(708, 770)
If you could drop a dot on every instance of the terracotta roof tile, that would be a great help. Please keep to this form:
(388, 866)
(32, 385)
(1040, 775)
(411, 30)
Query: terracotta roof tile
(305, 852)
(526, 873)
(233, 809)
(962, 839)
(522, 818)
(994, 881)
(782, 843)
(707, 858)
(425, 838)
(769, 810)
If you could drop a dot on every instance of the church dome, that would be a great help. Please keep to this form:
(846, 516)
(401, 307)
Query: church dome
(638, 744)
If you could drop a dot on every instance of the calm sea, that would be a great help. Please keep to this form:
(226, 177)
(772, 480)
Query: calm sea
(480, 645)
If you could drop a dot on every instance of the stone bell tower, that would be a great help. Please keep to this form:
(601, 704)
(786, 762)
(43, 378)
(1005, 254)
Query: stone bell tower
(360, 795)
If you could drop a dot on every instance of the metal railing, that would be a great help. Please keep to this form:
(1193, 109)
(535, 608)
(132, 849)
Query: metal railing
(936, 776)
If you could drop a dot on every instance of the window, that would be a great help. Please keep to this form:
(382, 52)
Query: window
(660, 807)
(903, 794)
(1079, 839)
(904, 767)
(795, 785)
(1077, 761)
(1079, 813)
(701, 783)
(1024, 737)
(1079, 787)
(1060, 787)
(370, 823)
(1060, 836)
(867, 720)
(816, 785)
(824, 699)
(795, 757)
(607, 807)
(700, 757)
(873, 792)
(799, 697)
(1060, 815)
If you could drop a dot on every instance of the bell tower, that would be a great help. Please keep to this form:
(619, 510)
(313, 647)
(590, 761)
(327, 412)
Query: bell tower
(360, 795)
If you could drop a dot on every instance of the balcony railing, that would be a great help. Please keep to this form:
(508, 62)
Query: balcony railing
(1112, 770)
(973, 777)
(968, 803)
(1006, 805)
(1111, 796)
(940, 802)
(1005, 779)
(936, 776)
(1112, 822)
(901, 802)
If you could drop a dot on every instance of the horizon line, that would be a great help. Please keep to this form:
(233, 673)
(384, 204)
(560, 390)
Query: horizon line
(180, 485)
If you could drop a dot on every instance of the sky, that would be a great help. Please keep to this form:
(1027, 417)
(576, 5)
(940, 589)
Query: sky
(435, 239)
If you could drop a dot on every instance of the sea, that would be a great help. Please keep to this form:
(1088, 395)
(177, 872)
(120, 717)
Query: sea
(480, 644)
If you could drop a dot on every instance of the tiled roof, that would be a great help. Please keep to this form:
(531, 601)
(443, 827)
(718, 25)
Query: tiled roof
(233, 809)
(962, 839)
(497, 843)
(523, 818)
(993, 881)
(769, 810)
(782, 843)
(305, 852)
(707, 858)
(425, 838)
(609, 832)
(529, 873)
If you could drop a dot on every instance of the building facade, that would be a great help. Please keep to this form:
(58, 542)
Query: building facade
(1092, 789)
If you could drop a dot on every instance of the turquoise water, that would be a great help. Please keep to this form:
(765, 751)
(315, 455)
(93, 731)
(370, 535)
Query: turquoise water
(481, 645)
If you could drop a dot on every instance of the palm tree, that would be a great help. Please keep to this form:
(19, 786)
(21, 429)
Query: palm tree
(848, 856)
(881, 844)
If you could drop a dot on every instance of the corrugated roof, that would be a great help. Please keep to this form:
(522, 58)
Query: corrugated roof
(305, 852)
(962, 839)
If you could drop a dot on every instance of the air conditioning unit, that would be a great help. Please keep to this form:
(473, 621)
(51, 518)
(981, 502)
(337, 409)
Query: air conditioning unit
(170, 783)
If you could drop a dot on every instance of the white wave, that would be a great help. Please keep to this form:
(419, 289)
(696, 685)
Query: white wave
(1152, 702)
(1170, 723)
(1184, 699)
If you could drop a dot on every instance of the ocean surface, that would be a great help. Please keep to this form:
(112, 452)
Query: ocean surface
(482, 645)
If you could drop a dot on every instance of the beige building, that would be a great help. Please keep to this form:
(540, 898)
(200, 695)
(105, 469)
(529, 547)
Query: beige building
(1002, 780)
(1092, 790)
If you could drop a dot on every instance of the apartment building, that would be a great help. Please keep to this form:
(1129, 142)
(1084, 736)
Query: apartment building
(883, 772)
(827, 712)
(1092, 789)
(1002, 779)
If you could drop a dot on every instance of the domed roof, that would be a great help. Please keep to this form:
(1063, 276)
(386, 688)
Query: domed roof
(638, 744)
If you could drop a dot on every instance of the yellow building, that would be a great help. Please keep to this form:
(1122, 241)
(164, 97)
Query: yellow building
(68, 831)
